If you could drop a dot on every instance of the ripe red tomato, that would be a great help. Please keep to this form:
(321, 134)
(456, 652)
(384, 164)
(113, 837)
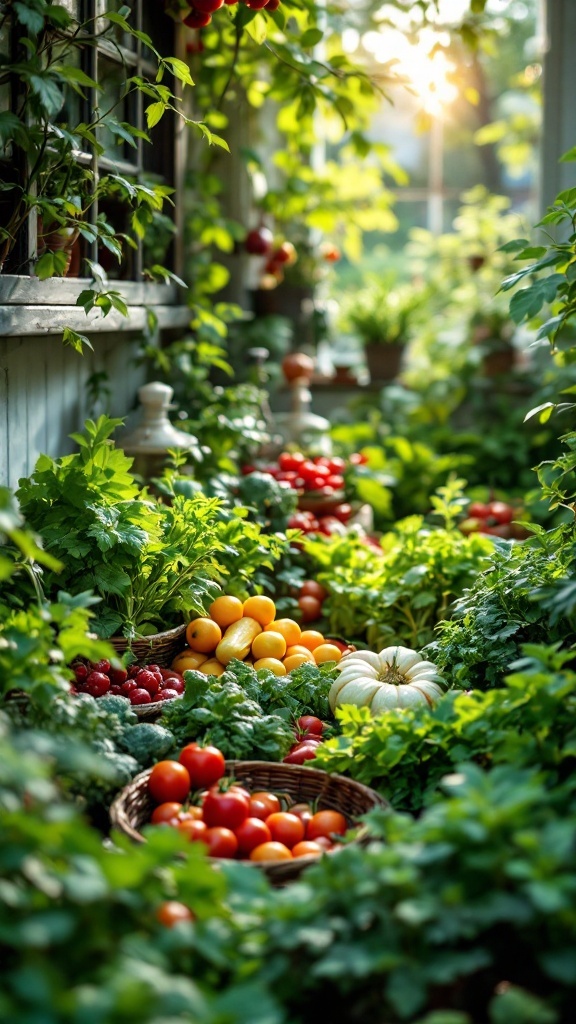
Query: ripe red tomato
(268, 801)
(343, 511)
(501, 511)
(166, 812)
(228, 808)
(302, 752)
(310, 724)
(208, 6)
(168, 780)
(197, 19)
(302, 811)
(171, 912)
(286, 828)
(221, 842)
(313, 589)
(326, 823)
(205, 765)
(307, 848)
(478, 510)
(194, 829)
(357, 459)
(310, 608)
(250, 834)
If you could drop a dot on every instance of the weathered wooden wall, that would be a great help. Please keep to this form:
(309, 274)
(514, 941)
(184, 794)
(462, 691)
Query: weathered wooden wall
(43, 395)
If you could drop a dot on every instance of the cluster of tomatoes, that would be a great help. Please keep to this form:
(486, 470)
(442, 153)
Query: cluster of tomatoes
(281, 645)
(201, 11)
(140, 684)
(309, 732)
(193, 795)
(492, 517)
(322, 474)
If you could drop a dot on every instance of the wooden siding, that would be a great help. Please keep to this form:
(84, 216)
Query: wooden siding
(43, 395)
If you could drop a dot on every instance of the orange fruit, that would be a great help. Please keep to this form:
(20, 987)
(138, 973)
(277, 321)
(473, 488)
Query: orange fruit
(225, 610)
(295, 660)
(311, 638)
(273, 664)
(270, 851)
(212, 667)
(192, 661)
(299, 649)
(260, 608)
(203, 634)
(288, 628)
(268, 644)
(326, 652)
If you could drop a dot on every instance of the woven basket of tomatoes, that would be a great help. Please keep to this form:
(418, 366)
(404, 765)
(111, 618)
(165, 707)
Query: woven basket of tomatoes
(278, 818)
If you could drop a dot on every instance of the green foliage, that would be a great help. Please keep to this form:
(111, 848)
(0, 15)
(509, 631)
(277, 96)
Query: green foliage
(248, 714)
(150, 563)
(269, 502)
(383, 311)
(405, 753)
(525, 595)
(47, 75)
(400, 596)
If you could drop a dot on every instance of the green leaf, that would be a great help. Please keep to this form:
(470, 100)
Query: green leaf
(180, 69)
(154, 113)
(76, 341)
(28, 17)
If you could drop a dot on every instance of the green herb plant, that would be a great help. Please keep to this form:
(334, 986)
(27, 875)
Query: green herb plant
(398, 597)
(152, 564)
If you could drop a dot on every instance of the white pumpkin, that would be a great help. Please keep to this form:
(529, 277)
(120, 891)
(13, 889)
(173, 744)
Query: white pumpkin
(395, 678)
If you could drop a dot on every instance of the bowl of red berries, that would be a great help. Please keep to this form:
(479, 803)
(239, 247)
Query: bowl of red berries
(148, 687)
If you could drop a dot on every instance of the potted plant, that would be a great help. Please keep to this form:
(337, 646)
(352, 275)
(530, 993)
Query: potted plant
(382, 316)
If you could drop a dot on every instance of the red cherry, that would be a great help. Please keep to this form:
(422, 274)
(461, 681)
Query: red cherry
(207, 6)
(272, 5)
(140, 696)
(197, 19)
(258, 241)
(256, 5)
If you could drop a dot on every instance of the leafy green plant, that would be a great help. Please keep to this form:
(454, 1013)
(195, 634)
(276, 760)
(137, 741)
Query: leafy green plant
(46, 74)
(384, 311)
(397, 597)
(150, 563)
(405, 753)
(524, 595)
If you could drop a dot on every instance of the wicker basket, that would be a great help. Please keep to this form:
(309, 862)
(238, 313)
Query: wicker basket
(159, 649)
(133, 807)
(150, 712)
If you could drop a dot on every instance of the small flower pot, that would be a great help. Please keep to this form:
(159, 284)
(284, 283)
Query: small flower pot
(384, 360)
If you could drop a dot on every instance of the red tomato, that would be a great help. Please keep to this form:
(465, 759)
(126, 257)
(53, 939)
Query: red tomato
(302, 811)
(194, 829)
(205, 765)
(501, 511)
(307, 848)
(228, 808)
(310, 608)
(343, 511)
(165, 812)
(310, 724)
(250, 834)
(313, 589)
(269, 801)
(169, 780)
(221, 842)
(286, 828)
(271, 851)
(326, 823)
(478, 510)
(308, 469)
(290, 461)
(357, 459)
(171, 912)
(303, 752)
(336, 481)
(336, 464)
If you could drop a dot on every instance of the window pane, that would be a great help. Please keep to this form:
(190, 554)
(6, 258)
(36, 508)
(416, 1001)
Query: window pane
(112, 79)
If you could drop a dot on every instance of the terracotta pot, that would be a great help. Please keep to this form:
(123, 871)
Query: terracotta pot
(62, 239)
(384, 360)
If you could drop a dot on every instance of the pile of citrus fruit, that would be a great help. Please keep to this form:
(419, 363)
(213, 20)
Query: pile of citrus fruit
(249, 630)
